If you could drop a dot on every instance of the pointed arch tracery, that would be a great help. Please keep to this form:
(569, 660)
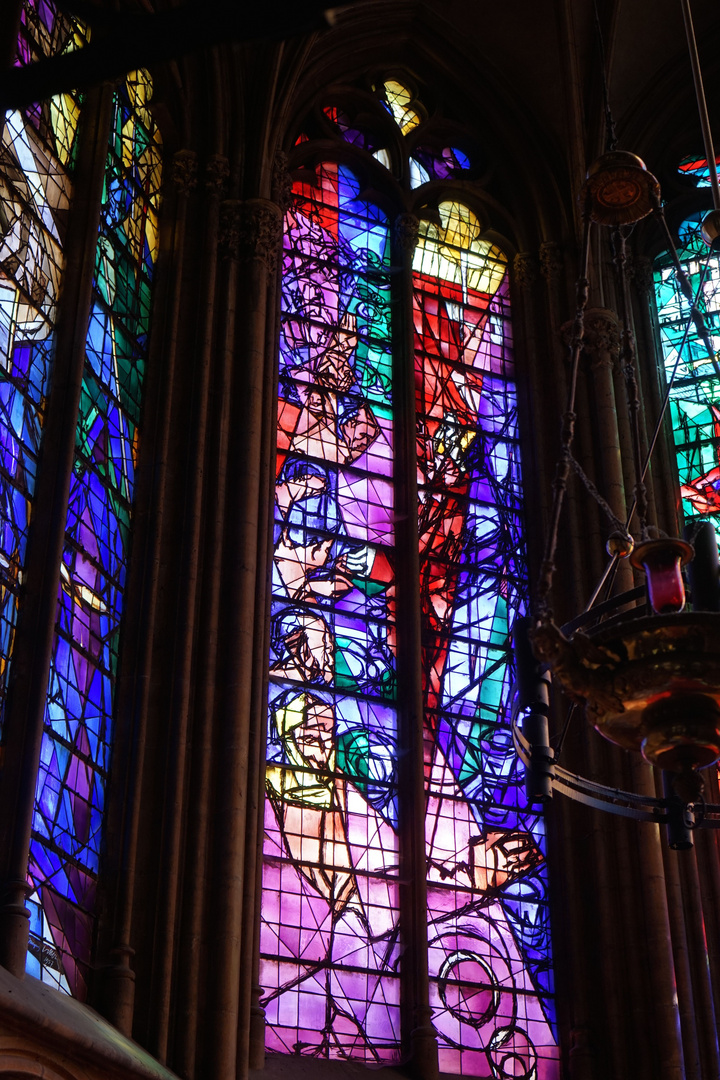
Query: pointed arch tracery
(358, 322)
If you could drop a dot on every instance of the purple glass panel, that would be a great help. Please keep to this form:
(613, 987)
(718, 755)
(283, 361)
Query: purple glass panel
(329, 943)
(489, 947)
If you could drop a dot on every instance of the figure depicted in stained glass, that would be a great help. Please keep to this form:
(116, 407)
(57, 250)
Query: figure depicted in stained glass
(36, 153)
(310, 803)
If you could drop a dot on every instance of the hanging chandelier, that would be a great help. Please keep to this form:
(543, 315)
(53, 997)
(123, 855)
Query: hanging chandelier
(644, 668)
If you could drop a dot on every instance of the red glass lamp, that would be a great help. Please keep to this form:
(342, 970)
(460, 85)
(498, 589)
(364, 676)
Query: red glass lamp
(662, 561)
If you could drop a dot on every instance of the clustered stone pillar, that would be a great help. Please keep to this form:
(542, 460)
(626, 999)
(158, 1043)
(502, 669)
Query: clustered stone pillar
(255, 231)
(116, 993)
(602, 345)
(182, 867)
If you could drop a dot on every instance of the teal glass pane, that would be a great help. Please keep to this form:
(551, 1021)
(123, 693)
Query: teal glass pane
(695, 395)
(697, 168)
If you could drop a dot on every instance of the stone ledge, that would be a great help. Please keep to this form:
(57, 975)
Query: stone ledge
(38, 1023)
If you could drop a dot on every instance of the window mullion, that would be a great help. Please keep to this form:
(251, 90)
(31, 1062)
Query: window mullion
(23, 725)
(419, 1040)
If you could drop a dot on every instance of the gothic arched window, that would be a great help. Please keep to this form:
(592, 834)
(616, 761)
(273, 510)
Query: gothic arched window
(36, 174)
(404, 877)
(695, 392)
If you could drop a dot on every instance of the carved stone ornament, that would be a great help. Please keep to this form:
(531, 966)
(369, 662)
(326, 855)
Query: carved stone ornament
(406, 231)
(525, 270)
(643, 273)
(260, 232)
(250, 230)
(229, 237)
(551, 261)
(184, 171)
(601, 341)
(282, 181)
(217, 171)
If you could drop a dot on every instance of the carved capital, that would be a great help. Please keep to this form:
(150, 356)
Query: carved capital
(282, 184)
(217, 171)
(525, 270)
(642, 273)
(551, 261)
(229, 237)
(567, 333)
(250, 230)
(601, 341)
(184, 171)
(406, 231)
(260, 232)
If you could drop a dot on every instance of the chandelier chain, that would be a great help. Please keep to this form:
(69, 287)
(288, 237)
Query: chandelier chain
(593, 491)
(564, 463)
(627, 354)
(610, 133)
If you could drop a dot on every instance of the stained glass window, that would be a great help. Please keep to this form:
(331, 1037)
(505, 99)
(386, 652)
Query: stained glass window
(35, 190)
(331, 934)
(487, 908)
(698, 169)
(67, 826)
(330, 939)
(695, 394)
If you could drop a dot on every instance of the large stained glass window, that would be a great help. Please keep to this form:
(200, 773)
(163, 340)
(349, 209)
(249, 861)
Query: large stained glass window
(332, 937)
(67, 825)
(36, 159)
(695, 394)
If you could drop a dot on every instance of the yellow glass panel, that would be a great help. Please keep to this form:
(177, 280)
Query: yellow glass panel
(64, 116)
(399, 98)
(454, 252)
(151, 232)
(140, 88)
(64, 108)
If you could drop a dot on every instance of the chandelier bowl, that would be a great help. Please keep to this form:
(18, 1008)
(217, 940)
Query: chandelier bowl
(648, 684)
(619, 189)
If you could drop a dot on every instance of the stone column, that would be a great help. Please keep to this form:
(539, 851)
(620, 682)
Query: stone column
(179, 944)
(650, 360)
(602, 346)
(254, 233)
(419, 1039)
(116, 994)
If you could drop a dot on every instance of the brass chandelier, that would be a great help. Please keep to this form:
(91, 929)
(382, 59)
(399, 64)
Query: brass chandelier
(645, 669)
